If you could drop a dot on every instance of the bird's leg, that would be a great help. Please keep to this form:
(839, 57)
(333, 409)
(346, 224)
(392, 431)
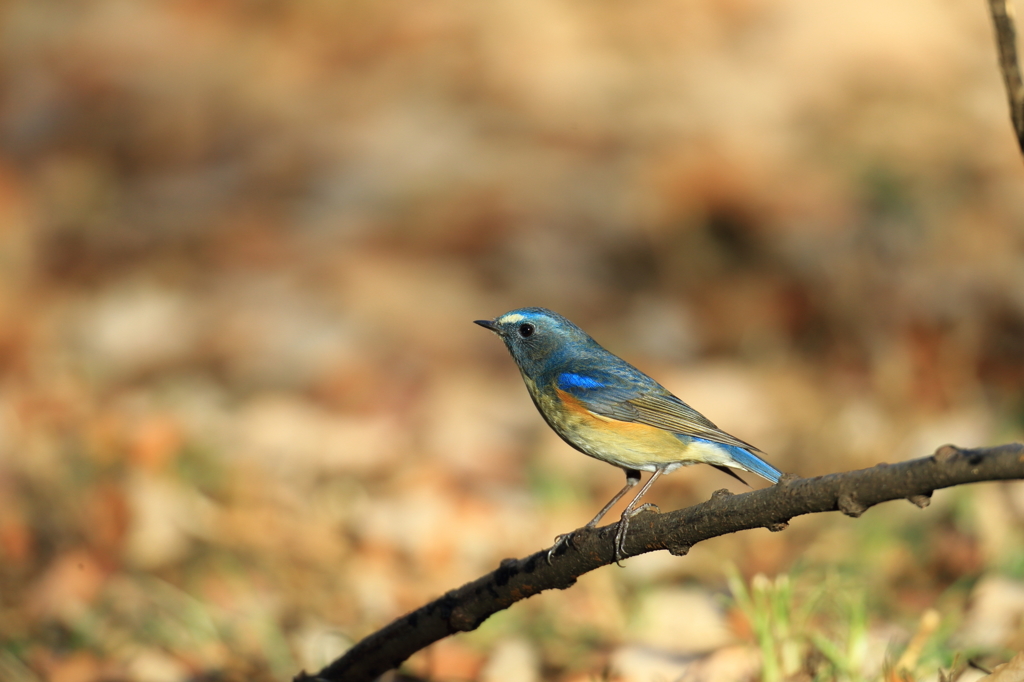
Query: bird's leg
(632, 479)
(631, 511)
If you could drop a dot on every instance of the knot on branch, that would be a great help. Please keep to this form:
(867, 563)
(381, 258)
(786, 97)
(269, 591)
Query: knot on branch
(945, 453)
(788, 478)
(720, 494)
(462, 620)
(922, 500)
(306, 677)
(680, 549)
(507, 569)
(849, 505)
(778, 526)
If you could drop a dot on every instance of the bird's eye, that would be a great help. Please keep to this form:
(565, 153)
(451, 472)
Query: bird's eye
(526, 330)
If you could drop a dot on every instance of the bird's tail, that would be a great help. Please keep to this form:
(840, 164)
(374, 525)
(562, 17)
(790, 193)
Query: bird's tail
(748, 461)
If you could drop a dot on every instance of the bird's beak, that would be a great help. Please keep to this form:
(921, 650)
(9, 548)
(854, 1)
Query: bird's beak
(487, 324)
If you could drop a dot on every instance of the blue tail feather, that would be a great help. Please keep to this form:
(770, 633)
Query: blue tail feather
(753, 463)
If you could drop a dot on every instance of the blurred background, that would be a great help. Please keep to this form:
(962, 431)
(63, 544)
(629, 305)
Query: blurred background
(246, 419)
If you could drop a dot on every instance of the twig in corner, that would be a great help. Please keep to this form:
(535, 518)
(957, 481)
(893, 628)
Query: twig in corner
(1009, 64)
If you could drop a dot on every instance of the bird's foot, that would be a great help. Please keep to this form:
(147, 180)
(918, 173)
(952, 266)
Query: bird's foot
(648, 506)
(563, 539)
(620, 532)
(620, 538)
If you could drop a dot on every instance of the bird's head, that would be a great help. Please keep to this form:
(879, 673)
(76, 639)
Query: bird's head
(537, 337)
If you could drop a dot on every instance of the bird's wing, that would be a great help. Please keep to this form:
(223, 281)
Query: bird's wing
(672, 414)
(623, 396)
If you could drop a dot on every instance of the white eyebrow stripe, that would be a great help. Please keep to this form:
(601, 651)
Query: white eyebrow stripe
(510, 319)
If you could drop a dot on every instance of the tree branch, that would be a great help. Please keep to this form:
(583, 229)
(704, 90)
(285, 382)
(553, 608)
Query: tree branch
(852, 492)
(1006, 39)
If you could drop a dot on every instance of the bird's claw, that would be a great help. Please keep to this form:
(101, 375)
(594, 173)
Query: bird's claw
(620, 538)
(564, 538)
(620, 532)
(647, 506)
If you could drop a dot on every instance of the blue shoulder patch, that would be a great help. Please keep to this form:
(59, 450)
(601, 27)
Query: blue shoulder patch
(569, 381)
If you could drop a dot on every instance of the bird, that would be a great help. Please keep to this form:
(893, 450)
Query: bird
(608, 409)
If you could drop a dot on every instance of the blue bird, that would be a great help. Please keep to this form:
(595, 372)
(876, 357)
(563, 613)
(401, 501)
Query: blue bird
(606, 408)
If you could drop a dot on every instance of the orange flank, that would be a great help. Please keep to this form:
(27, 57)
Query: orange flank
(572, 404)
(629, 444)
